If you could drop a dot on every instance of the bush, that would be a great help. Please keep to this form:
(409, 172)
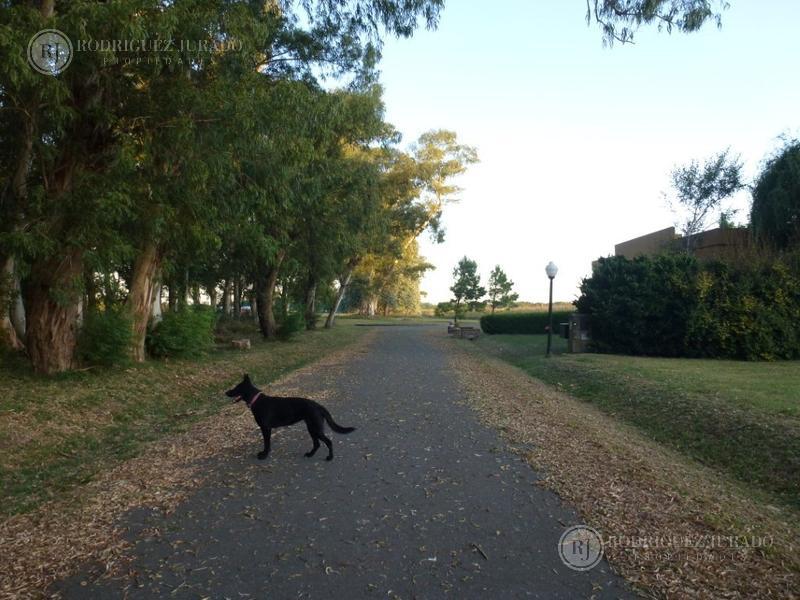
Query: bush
(105, 338)
(185, 333)
(290, 326)
(530, 323)
(641, 306)
(671, 305)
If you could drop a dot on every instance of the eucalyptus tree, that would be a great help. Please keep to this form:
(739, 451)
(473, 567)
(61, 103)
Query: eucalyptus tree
(620, 19)
(416, 187)
(96, 153)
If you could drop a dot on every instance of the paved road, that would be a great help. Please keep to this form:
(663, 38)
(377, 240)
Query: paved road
(422, 501)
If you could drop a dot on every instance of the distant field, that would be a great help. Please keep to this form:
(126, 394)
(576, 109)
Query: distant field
(740, 417)
(427, 310)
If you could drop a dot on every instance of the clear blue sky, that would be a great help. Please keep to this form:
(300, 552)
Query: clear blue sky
(577, 140)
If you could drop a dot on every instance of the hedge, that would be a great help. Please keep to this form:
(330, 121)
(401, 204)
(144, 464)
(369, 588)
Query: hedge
(672, 305)
(529, 323)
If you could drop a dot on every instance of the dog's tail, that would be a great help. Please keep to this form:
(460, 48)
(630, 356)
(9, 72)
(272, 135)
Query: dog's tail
(336, 427)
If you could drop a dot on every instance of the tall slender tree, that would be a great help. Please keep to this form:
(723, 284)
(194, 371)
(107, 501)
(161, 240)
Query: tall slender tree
(500, 290)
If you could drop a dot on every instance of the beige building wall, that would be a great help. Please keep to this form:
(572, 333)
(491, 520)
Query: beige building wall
(707, 245)
(652, 243)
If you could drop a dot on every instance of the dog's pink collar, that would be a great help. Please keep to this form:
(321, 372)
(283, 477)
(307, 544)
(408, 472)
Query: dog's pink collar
(253, 400)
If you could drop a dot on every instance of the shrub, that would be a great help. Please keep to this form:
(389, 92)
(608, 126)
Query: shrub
(185, 333)
(105, 338)
(671, 305)
(749, 312)
(640, 306)
(530, 323)
(290, 326)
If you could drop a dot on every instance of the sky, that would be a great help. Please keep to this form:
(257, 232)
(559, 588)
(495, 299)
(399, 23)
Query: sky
(577, 141)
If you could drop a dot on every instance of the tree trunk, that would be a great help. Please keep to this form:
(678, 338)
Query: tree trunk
(155, 308)
(140, 298)
(8, 293)
(212, 296)
(172, 298)
(109, 293)
(343, 283)
(310, 311)
(237, 297)
(183, 299)
(18, 311)
(91, 290)
(196, 294)
(226, 298)
(265, 297)
(53, 303)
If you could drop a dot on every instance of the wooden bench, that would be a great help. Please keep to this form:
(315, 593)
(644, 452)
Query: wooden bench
(469, 333)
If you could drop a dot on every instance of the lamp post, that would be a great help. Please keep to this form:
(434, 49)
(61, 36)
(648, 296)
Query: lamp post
(551, 269)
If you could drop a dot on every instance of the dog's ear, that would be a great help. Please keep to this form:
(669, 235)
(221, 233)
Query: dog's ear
(247, 378)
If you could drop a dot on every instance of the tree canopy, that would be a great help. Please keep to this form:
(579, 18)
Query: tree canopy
(775, 213)
(224, 161)
(619, 20)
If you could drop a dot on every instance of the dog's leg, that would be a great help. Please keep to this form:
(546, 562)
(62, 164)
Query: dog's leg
(313, 432)
(327, 441)
(267, 433)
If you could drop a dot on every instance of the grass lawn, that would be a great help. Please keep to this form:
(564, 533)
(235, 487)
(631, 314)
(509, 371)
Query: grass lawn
(58, 432)
(740, 417)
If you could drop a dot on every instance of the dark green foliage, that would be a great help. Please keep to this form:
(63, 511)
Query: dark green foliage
(289, 327)
(531, 323)
(500, 290)
(750, 312)
(444, 309)
(620, 19)
(671, 305)
(184, 333)
(467, 289)
(640, 306)
(105, 338)
(775, 214)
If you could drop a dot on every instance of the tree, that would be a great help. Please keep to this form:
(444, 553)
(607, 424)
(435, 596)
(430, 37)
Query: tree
(120, 162)
(620, 19)
(775, 213)
(467, 290)
(701, 188)
(500, 286)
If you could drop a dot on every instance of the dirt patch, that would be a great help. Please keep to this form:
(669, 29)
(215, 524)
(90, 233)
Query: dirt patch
(671, 527)
(52, 542)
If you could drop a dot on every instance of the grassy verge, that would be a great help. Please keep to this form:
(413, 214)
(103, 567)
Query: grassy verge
(741, 418)
(56, 433)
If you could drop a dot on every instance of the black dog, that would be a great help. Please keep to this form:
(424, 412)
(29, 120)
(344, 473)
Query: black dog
(276, 411)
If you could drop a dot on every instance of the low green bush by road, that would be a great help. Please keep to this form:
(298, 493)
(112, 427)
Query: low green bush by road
(530, 323)
(742, 418)
(58, 432)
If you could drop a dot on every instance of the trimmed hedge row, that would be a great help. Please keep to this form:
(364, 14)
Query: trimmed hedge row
(671, 305)
(529, 323)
